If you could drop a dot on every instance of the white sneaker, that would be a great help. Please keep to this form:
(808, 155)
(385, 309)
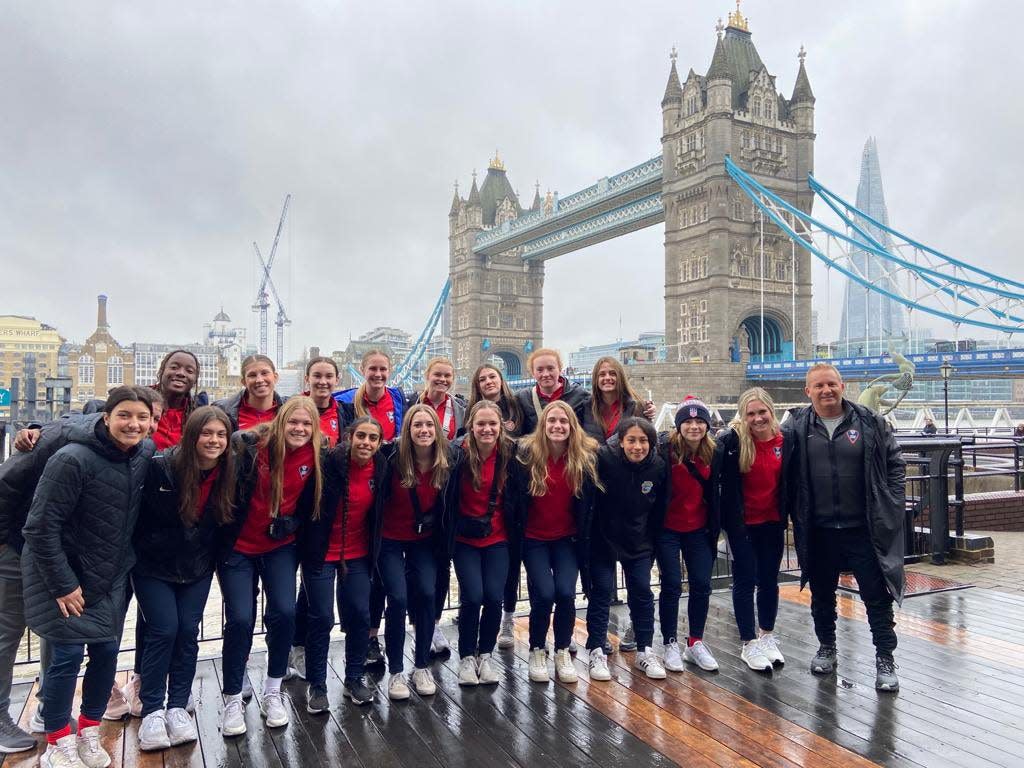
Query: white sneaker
(153, 732)
(232, 719)
(673, 657)
(274, 709)
(423, 682)
(485, 670)
(467, 671)
(63, 754)
(539, 666)
(564, 667)
(770, 648)
(700, 654)
(599, 665)
(398, 689)
(35, 723)
(296, 662)
(753, 654)
(649, 664)
(117, 705)
(506, 635)
(439, 643)
(132, 694)
(90, 753)
(180, 727)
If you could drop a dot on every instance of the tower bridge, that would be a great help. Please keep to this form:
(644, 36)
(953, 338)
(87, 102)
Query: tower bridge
(734, 187)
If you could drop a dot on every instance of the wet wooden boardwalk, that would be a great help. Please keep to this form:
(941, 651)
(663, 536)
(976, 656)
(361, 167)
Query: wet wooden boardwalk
(961, 660)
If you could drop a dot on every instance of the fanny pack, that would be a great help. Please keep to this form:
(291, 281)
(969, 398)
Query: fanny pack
(424, 521)
(282, 527)
(480, 527)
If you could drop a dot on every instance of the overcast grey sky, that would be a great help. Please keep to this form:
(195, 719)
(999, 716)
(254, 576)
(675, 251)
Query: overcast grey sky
(145, 145)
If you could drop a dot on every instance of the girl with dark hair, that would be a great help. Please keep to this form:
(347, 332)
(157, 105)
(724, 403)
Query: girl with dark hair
(450, 410)
(611, 398)
(627, 513)
(176, 380)
(278, 466)
(561, 468)
(322, 379)
(75, 563)
(487, 486)
(413, 510)
(690, 528)
(488, 384)
(189, 493)
(259, 401)
(339, 548)
(755, 461)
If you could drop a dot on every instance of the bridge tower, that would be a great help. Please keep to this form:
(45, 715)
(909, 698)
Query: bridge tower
(497, 301)
(713, 255)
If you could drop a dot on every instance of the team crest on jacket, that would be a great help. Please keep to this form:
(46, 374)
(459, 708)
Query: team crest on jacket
(334, 425)
(391, 416)
(371, 484)
(304, 470)
(778, 451)
(852, 436)
(646, 486)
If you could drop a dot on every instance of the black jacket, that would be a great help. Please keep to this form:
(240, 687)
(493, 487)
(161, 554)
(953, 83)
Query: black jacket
(165, 547)
(712, 497)
(628, 513)
(230, 406)
(245, 444)
(513, 499)
(441, 510)
(730, 482)
(884, 501)
(593, 427)
(314, 536)
(577, 397)
(79, 534)
(20, 474)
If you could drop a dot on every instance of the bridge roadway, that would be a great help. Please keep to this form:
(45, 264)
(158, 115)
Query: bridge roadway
(989, 363)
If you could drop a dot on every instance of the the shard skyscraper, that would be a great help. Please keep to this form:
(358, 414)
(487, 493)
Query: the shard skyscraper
(871, 321)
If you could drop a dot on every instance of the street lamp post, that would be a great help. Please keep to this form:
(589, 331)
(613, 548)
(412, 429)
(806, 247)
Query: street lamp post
(946, 371)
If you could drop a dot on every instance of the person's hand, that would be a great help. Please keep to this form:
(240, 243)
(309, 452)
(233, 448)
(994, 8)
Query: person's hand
(25, 439)
(649, 411)
(72, 604)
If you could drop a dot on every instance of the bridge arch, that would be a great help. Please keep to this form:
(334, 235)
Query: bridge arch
(778, 337)
(508, 362)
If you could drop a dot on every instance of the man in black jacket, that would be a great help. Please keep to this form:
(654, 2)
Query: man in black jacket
(848, 489)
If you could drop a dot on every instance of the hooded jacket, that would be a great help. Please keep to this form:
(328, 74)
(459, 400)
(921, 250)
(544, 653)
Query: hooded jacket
(165, 547)
(628, 513)
(730, 482)
(230, 406)
(884, 499)
(79, 534)
(577, 397)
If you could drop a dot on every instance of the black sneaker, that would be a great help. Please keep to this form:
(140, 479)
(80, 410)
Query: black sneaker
(357, 690)
(374, 654)
(824, 661)
(607, 647)
(885, 674)
(316, 699)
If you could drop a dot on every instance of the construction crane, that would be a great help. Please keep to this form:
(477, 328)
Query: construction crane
(282, 316)
(262, 302)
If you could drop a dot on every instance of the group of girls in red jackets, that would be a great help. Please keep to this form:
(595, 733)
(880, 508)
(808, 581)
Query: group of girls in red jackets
(368, 497)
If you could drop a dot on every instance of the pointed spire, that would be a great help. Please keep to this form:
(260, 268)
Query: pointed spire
(719, 69)
(802, 93)
(673, 90)
(474, 194)
(536, 197)
(456, 201)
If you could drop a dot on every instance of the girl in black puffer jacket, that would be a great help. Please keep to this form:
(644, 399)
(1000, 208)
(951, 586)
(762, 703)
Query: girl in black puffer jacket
(75, 564)
(188, 495)
(627, 515)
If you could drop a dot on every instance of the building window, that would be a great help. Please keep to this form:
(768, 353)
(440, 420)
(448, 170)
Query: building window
(115, 372)
(703, 305)
(768, 111)
(505, 286)
(755, 107)
(86, 370)
(691, 142)
(506, 320)
(492, 321)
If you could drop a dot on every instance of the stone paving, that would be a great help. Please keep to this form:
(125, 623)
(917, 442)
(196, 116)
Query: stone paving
(1006, 574)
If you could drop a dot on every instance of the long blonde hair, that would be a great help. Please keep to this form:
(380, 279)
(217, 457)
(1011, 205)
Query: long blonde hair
(504, 447)
(359, 400)
(681, 451)
(407, 456)
(739, 424)
(580, 455)
(623, 390)
(272, 438)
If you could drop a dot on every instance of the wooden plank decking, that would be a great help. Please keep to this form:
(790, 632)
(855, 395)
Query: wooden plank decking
(961, 660)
